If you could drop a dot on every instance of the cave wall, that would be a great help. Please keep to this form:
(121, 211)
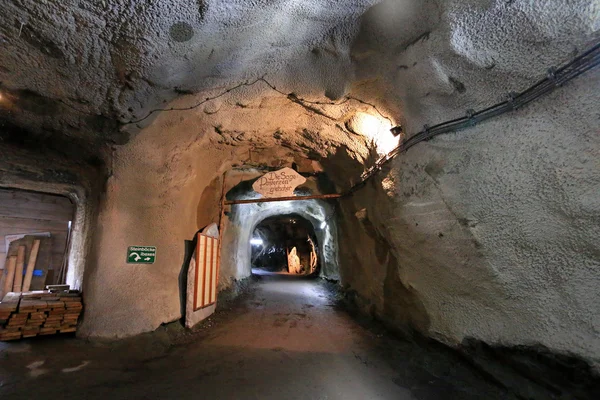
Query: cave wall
(163, 188)
(489, 233)
(279, 236)
(151, 199)
(116, 60)
(241, 220)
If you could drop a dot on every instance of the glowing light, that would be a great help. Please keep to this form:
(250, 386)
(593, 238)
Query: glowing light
(378, 130)
(397, 130)
(256, 242)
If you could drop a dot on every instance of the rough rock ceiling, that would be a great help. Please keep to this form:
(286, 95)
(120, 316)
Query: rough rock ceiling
(78, 67)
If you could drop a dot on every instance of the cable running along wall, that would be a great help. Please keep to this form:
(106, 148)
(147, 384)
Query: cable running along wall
(554, 78)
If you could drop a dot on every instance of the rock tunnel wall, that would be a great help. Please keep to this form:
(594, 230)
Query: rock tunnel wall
(489, 233)
(165, 185)
(247, 216)
(278, 237)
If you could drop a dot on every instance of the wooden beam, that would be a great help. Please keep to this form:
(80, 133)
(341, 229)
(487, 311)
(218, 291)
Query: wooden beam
(18, 283)
(291, 198)
(31, 265)
(9, 277)
(221, 225)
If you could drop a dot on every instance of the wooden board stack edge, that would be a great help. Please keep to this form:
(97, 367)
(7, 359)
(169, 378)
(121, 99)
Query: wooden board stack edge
(20, 274)
(25, 315)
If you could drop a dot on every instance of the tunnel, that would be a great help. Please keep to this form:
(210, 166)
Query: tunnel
(285, 244)
(245, 222)
(370, 199)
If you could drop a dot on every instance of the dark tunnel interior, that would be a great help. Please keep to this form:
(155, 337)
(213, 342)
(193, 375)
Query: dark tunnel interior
(285, 244)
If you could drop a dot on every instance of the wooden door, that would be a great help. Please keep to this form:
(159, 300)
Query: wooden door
(207, 271)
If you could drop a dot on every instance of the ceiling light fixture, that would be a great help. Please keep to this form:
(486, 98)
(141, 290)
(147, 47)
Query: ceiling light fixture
(397, 130)
(377, 130)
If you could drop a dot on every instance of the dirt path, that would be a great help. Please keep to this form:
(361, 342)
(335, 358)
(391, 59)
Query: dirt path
(285, 341)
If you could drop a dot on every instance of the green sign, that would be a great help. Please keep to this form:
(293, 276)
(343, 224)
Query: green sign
(141, 254)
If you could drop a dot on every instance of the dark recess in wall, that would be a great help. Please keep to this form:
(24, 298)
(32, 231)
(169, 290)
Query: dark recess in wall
(53, 142)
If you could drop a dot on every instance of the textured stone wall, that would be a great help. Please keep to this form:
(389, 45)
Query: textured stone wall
(488, 233)
(165, 184)
(117, 60)
(247, 216)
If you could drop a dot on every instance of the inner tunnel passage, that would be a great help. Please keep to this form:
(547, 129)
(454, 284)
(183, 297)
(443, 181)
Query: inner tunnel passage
(285, 244)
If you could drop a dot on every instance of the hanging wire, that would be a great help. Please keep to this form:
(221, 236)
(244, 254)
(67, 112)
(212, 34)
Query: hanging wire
(290, 96)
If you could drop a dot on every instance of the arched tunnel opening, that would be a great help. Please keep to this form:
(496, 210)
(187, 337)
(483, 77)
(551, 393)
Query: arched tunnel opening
(285, 244)
(298, 236)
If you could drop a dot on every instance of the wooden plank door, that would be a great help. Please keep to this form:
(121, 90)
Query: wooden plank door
(207, 275)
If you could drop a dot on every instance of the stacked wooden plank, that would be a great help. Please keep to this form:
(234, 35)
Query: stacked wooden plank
(24, 315)
(8, 327)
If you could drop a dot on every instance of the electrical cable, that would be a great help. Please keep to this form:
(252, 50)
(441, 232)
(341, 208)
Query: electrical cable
(290, 96)
(554, 78)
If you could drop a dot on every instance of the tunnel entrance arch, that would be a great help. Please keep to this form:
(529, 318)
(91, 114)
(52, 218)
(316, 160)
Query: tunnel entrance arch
(242, 212)
(284, 244)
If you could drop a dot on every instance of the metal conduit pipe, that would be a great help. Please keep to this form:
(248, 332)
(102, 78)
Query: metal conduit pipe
(554, 78)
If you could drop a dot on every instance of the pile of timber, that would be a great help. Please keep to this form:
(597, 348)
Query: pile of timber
(25, 315)
(18, 275)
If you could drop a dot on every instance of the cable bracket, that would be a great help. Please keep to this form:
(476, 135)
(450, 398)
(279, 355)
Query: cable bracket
(512, 97)
(551, 75)
(470, 115)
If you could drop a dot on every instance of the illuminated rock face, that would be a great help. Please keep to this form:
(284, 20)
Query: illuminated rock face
(294, 266)
(488, 233)
(243, 219)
